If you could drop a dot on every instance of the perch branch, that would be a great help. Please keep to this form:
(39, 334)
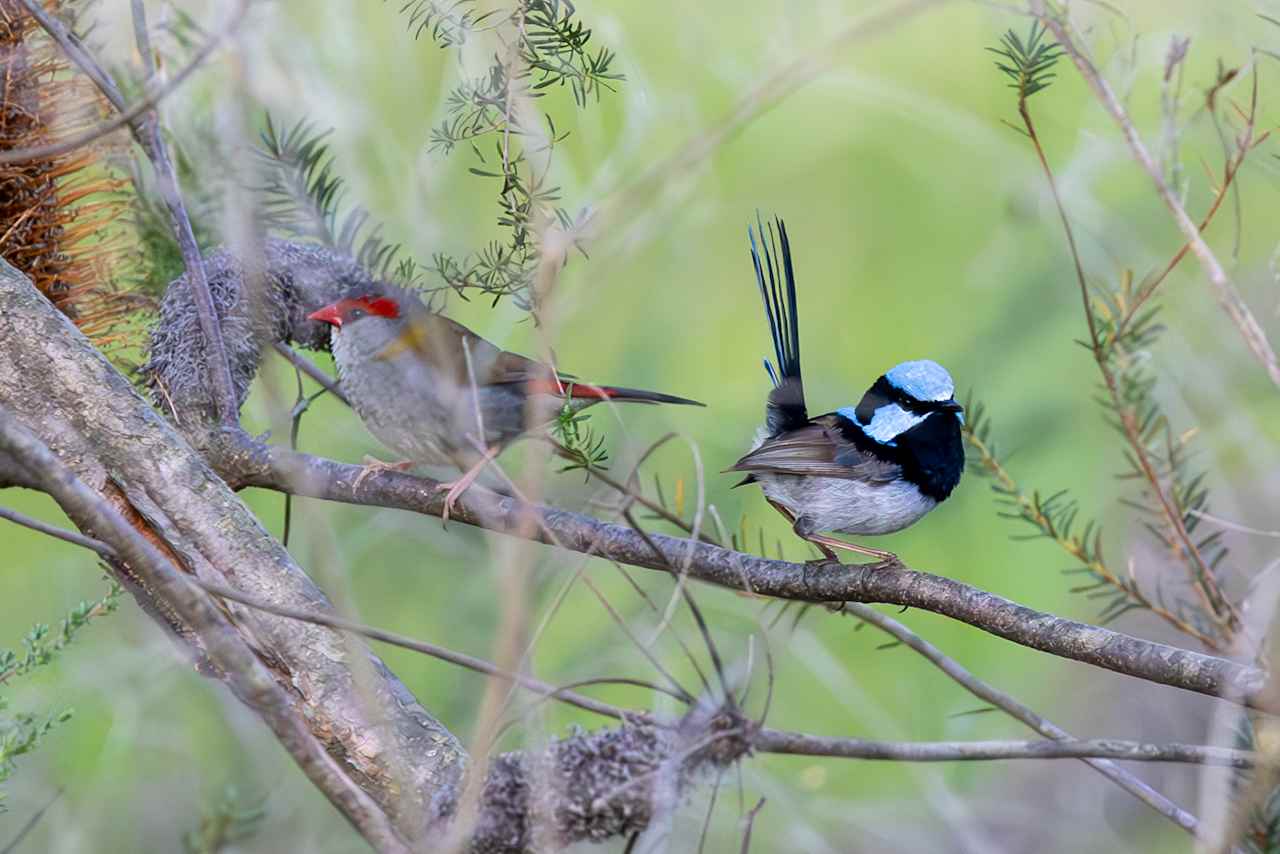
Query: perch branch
(249, 464)
(769, 740)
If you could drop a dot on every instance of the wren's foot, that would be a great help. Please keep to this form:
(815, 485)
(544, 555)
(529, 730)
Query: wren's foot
(822, 542)
(373, 465)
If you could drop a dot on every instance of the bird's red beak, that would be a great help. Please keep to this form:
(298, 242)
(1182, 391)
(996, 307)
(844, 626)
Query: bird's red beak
(329, 314)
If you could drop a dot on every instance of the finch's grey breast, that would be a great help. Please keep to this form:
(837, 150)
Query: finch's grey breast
(397, 398)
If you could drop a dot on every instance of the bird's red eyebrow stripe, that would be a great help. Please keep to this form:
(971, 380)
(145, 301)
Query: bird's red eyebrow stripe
(381, 306)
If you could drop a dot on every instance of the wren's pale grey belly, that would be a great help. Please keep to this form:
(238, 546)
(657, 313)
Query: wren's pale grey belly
(847, 506)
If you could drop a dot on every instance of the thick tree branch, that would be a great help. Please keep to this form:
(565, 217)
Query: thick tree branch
(227, 651)
(247, 464)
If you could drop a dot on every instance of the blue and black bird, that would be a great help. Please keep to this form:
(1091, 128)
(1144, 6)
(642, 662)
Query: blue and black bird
(874, 468)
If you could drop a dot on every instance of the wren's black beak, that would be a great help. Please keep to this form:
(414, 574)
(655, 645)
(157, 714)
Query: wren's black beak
(951, 406)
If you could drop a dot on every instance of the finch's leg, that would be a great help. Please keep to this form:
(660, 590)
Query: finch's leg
(373, 465)
(457, 487)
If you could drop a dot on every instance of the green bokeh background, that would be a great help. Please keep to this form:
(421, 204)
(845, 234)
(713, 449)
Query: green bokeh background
(921, 228)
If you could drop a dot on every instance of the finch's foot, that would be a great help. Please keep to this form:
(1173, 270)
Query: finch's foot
(455, 488)
(373, 465)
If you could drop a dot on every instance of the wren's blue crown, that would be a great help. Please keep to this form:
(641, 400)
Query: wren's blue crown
(923, 380)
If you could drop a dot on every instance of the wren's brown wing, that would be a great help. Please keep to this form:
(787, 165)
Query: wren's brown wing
(818, 450)
(445, 344)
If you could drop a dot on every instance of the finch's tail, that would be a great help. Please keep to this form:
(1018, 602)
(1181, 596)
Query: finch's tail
(585, 392)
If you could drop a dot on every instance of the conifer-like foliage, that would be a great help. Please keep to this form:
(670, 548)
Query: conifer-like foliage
(22, 732)
(1171, 495)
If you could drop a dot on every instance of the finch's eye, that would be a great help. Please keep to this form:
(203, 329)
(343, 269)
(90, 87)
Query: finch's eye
(357, 313)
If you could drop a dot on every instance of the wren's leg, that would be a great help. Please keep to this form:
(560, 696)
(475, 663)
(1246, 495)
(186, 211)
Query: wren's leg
(820, 540)
(828, 556)
(462, 484)
(373, 465)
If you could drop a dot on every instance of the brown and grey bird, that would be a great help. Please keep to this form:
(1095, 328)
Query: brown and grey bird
(434, 391)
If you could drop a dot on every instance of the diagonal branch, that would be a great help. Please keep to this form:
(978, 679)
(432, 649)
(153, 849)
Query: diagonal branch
(125, 118)
(60, 387)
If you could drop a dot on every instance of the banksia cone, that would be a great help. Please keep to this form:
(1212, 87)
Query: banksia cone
(62, 217)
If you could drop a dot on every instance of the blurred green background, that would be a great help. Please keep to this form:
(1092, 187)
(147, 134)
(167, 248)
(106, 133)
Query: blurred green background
(921, 228)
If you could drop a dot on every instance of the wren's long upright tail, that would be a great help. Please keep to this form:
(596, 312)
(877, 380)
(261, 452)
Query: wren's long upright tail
(785, 409)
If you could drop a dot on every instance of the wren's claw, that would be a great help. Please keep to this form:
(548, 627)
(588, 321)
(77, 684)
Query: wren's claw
(373, 465)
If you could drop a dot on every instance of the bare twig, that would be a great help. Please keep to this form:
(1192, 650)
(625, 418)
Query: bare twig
(777, 741)
(309, 368)
(30, 825)
(1224, 290)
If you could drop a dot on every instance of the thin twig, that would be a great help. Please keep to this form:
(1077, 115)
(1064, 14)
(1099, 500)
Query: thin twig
(30, 825)
(146, 129)
(801, 744)
(309, 368)
(1203, 579)
(1020, 711)
(1224, 290)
